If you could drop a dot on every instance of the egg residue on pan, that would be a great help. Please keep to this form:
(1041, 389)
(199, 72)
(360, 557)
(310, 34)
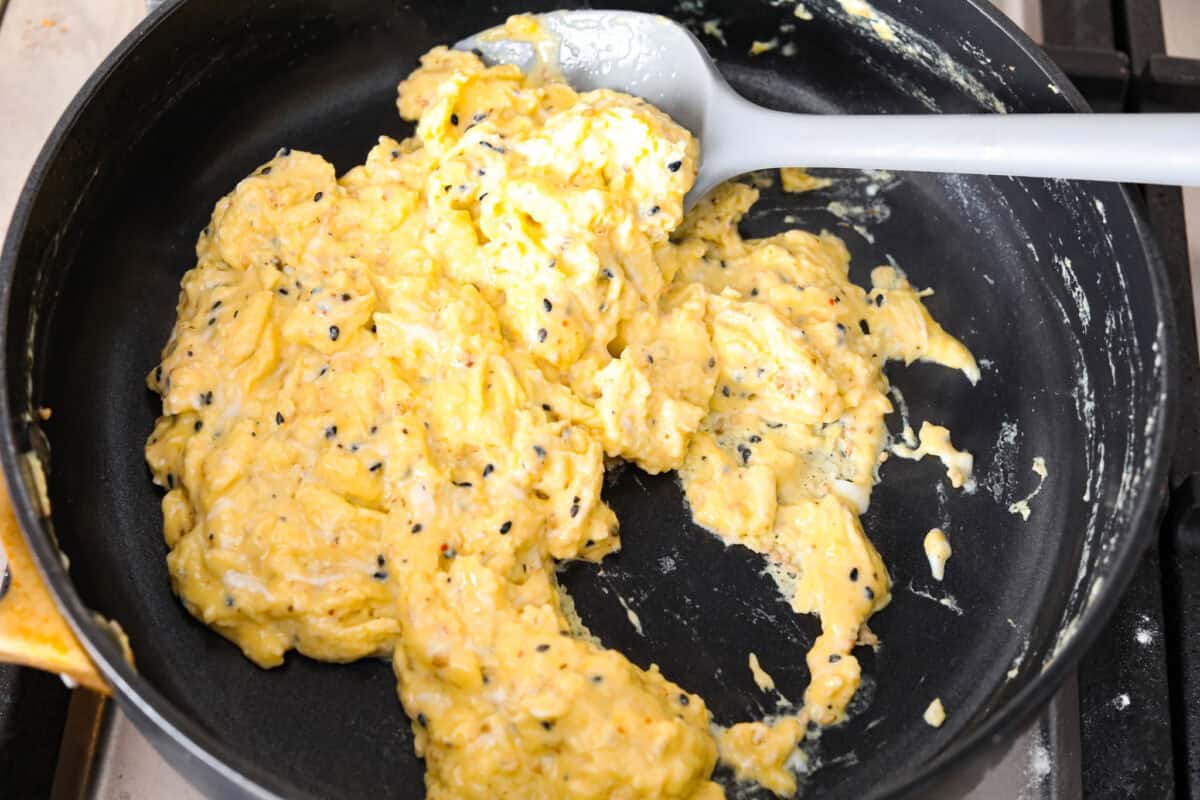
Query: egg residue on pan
(388, 399)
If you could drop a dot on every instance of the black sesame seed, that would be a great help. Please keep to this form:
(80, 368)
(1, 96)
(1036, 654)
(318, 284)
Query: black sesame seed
(684, 699)
(212, 320)
(649, 358)
(546, 304)
(158, 374)
(198, 426)
(418, 528)
(285, 151)
(725, 391)
(506, 526)
(541, 648)
(541, 334)
(421, 720)
(574, 510)
(712, 362)
(834, 658)
(854, 574)
(744, 452)
(449, 552)
(378, 465)
(754, 292)
(278, 418)
(170, 480)
(346, 297)
(463, 484)
(755, 439)
(334, 333)
(283, 291)
(546, 407)
(541, 451)
(215, 306)
(380, 575)
(317, 197)
(869, 592)
(674, 166)
(878, 300)
(228, 601)
(488, 470)
(597, 679)
(266, 170)
(454, 119)
(864, 327)
(207, 398)
(654, 210)
(608, 273)
(395, 154)
(331, 432)
(380, 560)
(547, 725)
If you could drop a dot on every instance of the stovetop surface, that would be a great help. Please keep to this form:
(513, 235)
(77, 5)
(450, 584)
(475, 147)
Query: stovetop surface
(1129, 726)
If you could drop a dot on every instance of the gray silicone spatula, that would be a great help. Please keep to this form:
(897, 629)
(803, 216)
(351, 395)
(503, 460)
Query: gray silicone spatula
(662, 62)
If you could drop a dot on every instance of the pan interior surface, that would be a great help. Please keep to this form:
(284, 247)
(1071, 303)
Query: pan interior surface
(1048, 283)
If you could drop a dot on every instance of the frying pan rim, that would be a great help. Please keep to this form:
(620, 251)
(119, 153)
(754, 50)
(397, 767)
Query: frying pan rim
(170, 728)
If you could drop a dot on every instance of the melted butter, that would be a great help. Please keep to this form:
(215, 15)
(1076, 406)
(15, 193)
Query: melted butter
(388, 399)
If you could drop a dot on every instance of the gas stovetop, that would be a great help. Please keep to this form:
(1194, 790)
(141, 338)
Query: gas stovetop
(1128, 725)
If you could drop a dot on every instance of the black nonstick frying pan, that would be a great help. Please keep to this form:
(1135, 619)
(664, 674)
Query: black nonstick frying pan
(1055, 286)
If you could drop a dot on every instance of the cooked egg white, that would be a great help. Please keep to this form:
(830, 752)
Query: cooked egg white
(388, 399)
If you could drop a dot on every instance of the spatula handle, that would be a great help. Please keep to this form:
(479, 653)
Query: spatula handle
(1130, 148)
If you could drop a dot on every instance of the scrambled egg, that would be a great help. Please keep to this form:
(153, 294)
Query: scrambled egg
(389, 397)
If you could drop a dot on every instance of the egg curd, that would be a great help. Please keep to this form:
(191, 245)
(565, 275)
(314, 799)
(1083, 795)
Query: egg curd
(389, 397)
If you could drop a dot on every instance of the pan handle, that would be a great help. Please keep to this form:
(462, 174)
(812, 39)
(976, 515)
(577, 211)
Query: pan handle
(32, 630)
